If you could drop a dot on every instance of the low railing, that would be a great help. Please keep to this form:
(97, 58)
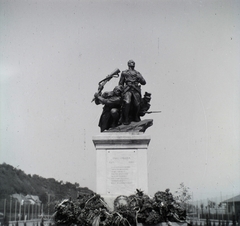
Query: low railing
(37, 222)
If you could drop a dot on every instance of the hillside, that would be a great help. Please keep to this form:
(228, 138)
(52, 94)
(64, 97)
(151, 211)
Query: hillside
(14, 180)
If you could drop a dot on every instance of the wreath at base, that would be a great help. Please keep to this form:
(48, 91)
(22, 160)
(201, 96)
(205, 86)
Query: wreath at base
(91, 209)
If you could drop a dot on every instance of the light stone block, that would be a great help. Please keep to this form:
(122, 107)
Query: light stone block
(121, 160)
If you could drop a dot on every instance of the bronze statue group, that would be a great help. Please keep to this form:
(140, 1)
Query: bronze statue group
(125, 103)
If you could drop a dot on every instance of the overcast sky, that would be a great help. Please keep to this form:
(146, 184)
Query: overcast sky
(54, 52)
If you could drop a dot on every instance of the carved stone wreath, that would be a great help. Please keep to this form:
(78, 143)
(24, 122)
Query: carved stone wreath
(121, 200)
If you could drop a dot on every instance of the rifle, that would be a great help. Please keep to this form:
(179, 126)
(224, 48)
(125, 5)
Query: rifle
(150, 112)
(101, 84)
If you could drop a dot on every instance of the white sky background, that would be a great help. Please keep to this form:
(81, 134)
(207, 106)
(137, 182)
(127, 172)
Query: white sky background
(53, 54)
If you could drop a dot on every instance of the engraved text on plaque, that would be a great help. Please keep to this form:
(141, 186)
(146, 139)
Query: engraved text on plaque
(121, 171)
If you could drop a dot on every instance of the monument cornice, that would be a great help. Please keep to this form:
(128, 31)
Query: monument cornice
(115, 140)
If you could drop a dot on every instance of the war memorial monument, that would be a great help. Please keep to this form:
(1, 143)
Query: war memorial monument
(121, 197)
(122, 145)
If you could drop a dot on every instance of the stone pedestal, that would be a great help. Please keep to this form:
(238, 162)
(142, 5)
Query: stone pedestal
(121, 163)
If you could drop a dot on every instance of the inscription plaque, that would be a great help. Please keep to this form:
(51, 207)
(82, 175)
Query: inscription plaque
(121, 171)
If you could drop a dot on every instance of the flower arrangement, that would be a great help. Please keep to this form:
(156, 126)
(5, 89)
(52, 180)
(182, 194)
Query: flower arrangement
(91, 209)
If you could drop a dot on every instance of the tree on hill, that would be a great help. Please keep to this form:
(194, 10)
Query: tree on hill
(13, 180)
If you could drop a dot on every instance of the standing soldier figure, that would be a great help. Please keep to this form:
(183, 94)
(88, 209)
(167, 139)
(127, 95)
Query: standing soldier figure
(131, 80)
